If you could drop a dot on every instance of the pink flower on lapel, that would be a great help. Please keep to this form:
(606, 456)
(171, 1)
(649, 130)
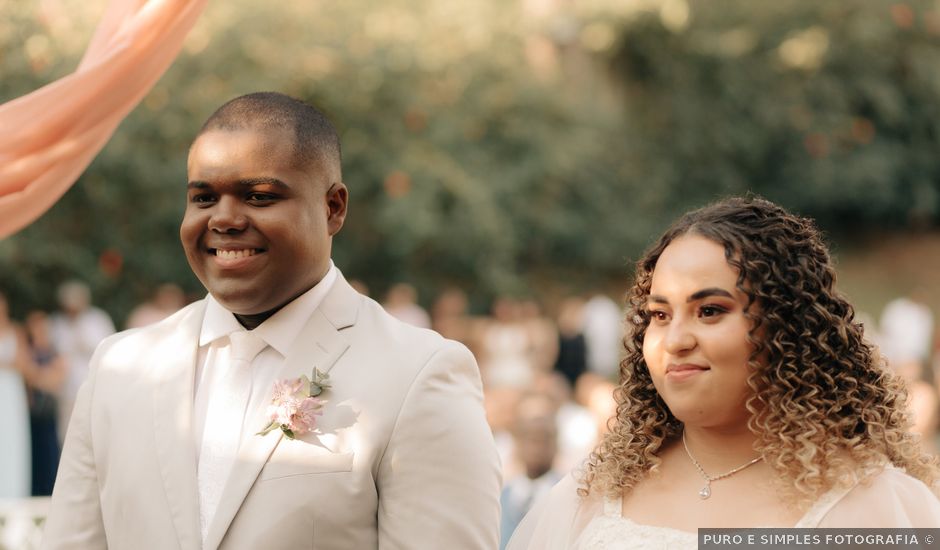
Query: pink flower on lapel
(284, 390)
(293, 408)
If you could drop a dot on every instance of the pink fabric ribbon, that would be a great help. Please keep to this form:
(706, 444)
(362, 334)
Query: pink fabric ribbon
(49, 137)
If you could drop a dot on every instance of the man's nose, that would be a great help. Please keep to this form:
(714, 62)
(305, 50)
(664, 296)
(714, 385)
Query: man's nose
(228, 216)
(679, 337)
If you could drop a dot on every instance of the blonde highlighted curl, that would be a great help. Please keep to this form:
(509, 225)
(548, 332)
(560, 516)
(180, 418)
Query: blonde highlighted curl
(825, 410)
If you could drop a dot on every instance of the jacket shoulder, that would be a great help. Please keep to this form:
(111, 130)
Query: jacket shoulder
(131, 341)
(414, 347)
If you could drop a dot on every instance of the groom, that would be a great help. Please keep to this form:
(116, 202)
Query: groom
(167, 446)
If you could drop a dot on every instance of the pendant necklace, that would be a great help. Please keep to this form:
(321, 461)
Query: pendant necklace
(707, 489)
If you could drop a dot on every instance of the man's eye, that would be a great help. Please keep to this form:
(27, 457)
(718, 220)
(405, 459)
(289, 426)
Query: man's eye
(260, 197)
(202, 198)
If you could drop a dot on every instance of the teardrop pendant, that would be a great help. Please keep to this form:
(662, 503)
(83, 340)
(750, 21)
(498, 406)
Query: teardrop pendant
(705, 492)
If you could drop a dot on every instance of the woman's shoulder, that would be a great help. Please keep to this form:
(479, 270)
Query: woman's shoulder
(563, 505)
(557, 519)
(895, 481)
(890, 498)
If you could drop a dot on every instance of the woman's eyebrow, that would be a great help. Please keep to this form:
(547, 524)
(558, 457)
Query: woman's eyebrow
(706, 292)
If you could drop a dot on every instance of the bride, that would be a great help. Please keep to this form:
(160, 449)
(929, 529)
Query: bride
(748, 398)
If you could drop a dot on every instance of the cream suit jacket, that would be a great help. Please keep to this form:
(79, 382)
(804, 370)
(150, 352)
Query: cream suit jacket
(402, 457)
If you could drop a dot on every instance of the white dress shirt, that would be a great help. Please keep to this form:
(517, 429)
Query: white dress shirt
(279, 332)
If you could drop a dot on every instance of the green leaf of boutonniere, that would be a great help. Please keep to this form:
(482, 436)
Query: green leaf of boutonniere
(320, 382)
(305, 385)
(267, 429)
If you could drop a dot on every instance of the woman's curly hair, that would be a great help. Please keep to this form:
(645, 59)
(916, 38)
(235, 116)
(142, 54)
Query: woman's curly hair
(825, 410)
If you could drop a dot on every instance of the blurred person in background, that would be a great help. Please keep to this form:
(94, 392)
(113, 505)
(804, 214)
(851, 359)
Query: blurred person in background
(500, 406)
(571, 360)
(449, 315)
(535, 436)
(542, 335)
(596, 394)
(166, 300)
(401, 302)
(923, 403)
(14, 411)
(906, 328)
(76, 331)
(603, 333)
(577, 426)
(45, 378)
(749, 397)
(905, 332)
(935, 372)
(505, 347)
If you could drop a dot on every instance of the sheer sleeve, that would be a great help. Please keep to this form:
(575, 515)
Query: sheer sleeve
(556, 521)
(890, 499)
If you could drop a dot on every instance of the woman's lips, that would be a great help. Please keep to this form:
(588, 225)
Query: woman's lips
(678, 373)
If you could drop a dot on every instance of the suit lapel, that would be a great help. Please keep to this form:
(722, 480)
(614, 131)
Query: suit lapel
(320, 344)
(173, 364)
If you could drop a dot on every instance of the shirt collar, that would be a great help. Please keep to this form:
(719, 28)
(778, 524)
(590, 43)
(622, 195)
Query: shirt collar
(281, 329)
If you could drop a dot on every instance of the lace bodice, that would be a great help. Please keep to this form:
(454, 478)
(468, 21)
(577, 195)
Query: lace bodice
(612, 531)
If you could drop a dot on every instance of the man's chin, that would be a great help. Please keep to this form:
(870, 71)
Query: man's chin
(241, 302)
(254, 300)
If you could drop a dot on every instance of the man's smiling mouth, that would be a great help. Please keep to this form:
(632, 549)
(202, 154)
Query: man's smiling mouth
(234, 254)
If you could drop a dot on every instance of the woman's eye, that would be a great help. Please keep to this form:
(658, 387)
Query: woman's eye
(659, 316)
(711, 311)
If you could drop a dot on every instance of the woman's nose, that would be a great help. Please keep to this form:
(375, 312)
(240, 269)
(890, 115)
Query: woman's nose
(679, 337)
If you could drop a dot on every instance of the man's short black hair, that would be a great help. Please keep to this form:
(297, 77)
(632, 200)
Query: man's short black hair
(316, 143)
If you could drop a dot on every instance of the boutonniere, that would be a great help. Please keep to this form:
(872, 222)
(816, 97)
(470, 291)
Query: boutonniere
(295, 406)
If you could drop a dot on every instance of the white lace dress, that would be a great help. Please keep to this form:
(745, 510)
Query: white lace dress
(612, 531)
(565, 521)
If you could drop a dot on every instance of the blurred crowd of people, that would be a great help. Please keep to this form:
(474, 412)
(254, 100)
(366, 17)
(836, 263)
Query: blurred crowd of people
(548, 379)
(908, 338)
(43, 362)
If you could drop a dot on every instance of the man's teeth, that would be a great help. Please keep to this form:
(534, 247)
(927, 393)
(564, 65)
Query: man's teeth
(234, 254)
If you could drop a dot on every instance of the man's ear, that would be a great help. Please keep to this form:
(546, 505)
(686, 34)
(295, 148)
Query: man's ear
(337, 199)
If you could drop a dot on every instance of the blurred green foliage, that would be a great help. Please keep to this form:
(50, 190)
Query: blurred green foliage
(831, 108)
(470, 164)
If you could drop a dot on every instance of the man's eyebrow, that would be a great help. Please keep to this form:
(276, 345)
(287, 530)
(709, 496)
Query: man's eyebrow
(250, 182)
(704, 293)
